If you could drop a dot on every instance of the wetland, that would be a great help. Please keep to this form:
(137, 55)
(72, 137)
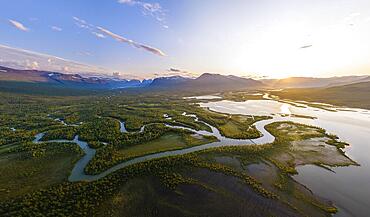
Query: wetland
(141, 156)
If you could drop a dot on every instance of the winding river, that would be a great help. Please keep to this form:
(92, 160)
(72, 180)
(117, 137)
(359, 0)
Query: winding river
(348, 187)
(78, 173)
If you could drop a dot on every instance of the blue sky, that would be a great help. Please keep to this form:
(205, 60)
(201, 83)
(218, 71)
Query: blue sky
(147, 38)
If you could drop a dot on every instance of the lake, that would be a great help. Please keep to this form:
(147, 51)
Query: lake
(348, 187)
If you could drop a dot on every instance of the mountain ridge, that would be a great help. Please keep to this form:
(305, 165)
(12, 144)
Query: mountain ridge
(350, 95)
(313, 82)
(72, 80)
(206, 82)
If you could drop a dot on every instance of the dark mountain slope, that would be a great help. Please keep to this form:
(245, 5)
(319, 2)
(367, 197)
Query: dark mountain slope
(66, 80)
(310, 82)
(168, 82)
(8, 74)
(352, 95)
(206, 83)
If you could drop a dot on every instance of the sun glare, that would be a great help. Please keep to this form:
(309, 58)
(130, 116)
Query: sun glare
(293, 50)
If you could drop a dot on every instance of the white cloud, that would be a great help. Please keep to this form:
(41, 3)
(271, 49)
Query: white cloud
(126, 1)
(82, 23)
(56, 28)
(35, 65)
(19, 25)
(149, 9)
(24, 59)
(79, 20)
(179, 72)
(65, 69)
(104, 32)
(85, 25)
(131, 42)
(99, 35)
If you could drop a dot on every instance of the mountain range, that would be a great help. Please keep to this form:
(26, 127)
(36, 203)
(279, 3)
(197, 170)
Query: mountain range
(310, 82)
(67, 80)
(350, 95)
(24, 59)
(207, 82)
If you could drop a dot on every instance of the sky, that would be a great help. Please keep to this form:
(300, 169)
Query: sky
(250, 38)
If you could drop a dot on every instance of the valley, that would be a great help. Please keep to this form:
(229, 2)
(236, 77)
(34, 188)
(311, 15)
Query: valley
(155, 108)
(168, 149)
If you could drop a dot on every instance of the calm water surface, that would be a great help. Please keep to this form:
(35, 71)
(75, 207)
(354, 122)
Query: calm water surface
(348, 187)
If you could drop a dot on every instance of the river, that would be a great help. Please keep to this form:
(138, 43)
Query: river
(348, 187)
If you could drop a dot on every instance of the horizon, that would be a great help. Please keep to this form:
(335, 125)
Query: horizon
(130, 77)
(142, 39)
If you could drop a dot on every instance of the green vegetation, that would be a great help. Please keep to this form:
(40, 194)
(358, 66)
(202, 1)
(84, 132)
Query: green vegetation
(301, 144)
(100, 129)
(96, 144)
(241, 96)
(172, 176)
(302, 116)
(67, 133)
(232, 126)
(35, 166)
(9, 136)
(43, 89)
(241, 126)
(175, 139)
(218, 181)
(295, 144)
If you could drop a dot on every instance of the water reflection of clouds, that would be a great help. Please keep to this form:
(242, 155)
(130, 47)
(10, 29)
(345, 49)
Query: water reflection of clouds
(284, 109)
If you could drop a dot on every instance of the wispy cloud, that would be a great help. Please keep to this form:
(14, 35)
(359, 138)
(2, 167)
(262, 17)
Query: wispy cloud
(19, 25)
(99, 35)
(131, 42)
(31, 64)
(82, 23)
(306, 46)
(130, 2)
(179, 72)
(101, 32)
(56, 28)
(25, 59)
(154, 10)
(85, 25)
